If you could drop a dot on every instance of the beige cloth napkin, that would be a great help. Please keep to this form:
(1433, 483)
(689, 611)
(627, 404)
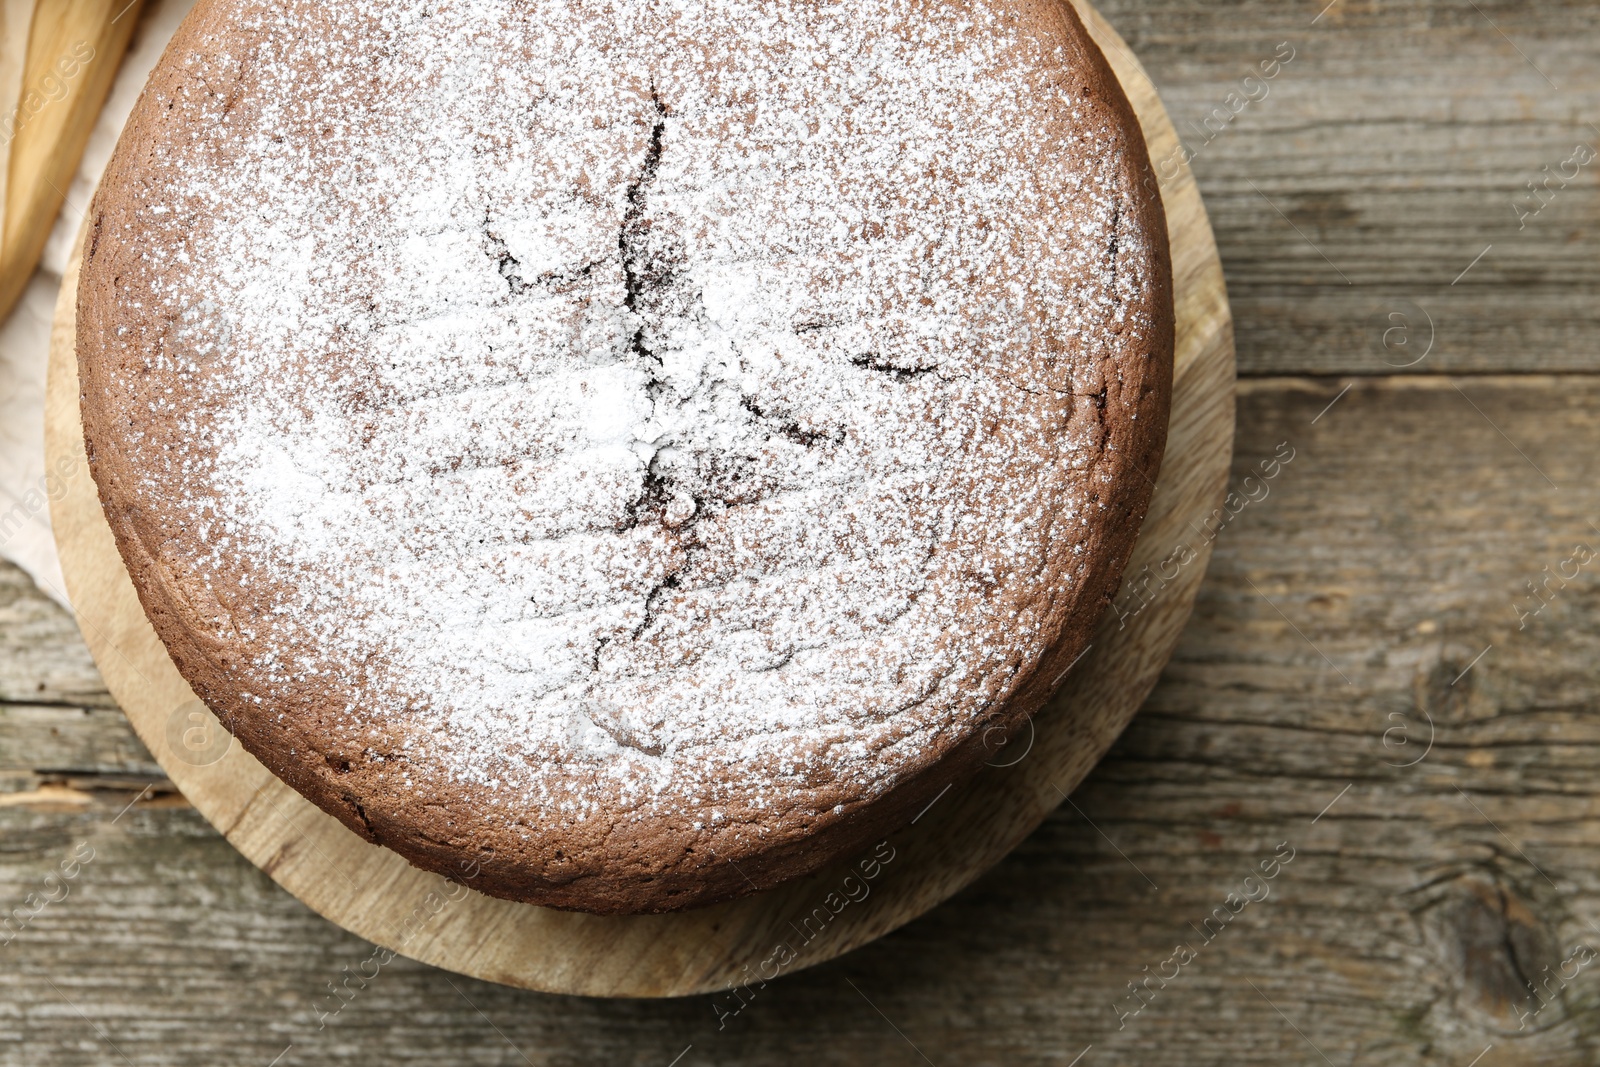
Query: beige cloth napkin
(25, 536)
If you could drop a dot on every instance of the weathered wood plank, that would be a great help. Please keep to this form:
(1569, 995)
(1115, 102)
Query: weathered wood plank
(42, 658)
(1395, 542)
(1397, 140)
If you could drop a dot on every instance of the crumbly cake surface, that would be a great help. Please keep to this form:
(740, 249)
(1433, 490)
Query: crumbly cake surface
(637, 446)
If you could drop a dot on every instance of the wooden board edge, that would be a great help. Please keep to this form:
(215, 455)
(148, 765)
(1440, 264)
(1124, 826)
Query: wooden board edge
(75, 48)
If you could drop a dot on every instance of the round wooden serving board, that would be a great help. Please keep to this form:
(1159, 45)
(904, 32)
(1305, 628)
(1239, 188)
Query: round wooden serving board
(377, 895)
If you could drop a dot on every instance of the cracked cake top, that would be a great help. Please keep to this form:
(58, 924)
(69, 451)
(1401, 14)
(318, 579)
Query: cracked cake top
(637, 446)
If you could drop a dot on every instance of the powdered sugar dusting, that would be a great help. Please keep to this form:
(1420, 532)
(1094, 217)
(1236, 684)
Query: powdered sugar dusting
(663, 409)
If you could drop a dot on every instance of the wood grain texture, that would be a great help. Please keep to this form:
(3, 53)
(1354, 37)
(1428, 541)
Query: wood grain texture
(1396, 541)
(16, 19)
(74, 49)
(1396, 141)
(374, 893)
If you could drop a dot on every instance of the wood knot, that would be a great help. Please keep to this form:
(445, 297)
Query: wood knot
(1503, 958)
(1448, 691)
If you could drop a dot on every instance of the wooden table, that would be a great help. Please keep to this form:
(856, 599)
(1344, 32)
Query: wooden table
(1370, 603)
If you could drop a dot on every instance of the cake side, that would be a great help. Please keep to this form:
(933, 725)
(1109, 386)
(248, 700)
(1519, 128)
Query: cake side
(836, 509)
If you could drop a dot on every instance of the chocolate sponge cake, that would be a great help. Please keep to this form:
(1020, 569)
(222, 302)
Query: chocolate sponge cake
(641, 448)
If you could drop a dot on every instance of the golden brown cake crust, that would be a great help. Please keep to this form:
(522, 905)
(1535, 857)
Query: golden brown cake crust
(642, 455)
